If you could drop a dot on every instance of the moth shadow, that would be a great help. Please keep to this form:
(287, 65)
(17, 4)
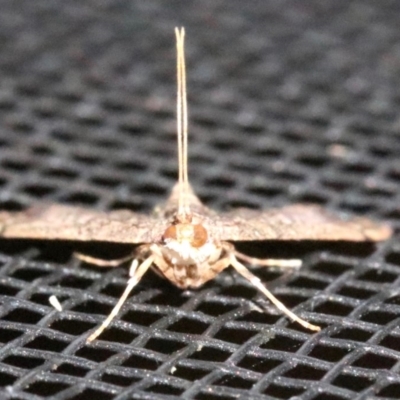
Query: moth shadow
(62, 252)
(279, 249)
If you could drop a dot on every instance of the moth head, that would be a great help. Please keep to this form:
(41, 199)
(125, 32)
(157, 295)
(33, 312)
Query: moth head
(189, 251)
(186, 233)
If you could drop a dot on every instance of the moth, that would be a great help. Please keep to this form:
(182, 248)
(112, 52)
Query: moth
(183, 240)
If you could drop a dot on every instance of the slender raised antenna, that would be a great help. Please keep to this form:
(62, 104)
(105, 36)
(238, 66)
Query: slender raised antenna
(182, 124)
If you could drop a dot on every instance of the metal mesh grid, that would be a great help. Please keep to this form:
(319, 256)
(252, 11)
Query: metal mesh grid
(290, 101)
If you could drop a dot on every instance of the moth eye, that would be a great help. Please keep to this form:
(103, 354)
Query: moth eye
(200, 236)
(170, 233)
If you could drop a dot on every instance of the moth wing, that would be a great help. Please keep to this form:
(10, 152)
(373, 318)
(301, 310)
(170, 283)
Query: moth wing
(58, 222)
(295, 222)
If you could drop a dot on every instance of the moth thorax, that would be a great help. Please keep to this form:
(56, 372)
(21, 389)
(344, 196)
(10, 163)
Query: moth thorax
(195, 234)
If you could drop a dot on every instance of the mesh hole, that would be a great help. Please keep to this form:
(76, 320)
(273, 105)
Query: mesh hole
(8, 335)
(38, 190)
(131, 166)
(95, 354)
(165, 389)
(43, 299)
(374, 361)
(72, 327)
(64, 136)
(357, 168)
(328, 396)
(393, 300)
(267, 192)
(76, 282)
(234, 382)
(237, 291)
(108, 182)
(118, 335)
(16, 165)
(7, 290)
(23, 361)
(21, 126)
(310, 283)
(333, 308)
(166, 298)
(391, 342)
(262, 365)
(393, 258)
(220, 182)
(260, 318)
(378, 276)
(71, 369)
(206, 353)
(3, 181)
(215, 309)
(305, 372)
(93, 307)
(282, 343)
(391, 391)
(355, 383)
(136, 206)
(188, 373)
(23, 315)
(118, 380)
(92, 394)
(312, 198)
(328, 353)
(10, 206)
(164, 346)
(353, 334)
(311, 160)
(211, 396)
(136, 361)
(331, 268)
(356, 292)
(291, 300)
(42, 150)
(61, 173)
(133, 129)
(379, 317)
(7, 379)
(44, 343)
(80, 198)
(29, 274)
(87, 159)
(46, 388)
(141, 317)
(235, 335)
(190, 326)
(283, 392)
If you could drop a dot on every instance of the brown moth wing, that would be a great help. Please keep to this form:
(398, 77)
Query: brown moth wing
(295, 222)
(58, 222)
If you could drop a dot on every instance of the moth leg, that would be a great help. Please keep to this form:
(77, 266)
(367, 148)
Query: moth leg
(136, 272)
(99, 262)
(257, 283)
(268, 262)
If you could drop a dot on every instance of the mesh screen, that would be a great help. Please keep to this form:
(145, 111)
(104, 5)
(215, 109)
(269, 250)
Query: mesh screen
(290, 101)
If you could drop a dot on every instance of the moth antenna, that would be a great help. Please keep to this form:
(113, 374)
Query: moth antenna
(136, 273)
(182, 123)
(254, 280)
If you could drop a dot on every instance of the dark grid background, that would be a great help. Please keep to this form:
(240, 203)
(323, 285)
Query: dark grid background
(290, 101)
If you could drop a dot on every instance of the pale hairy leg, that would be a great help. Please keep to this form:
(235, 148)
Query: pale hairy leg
(136, 272)
(268, 262)
(257, 283)
(99, 262)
